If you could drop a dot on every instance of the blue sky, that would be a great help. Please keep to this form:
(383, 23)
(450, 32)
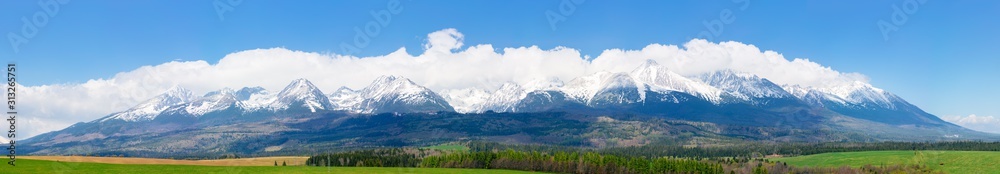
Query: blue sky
(943, 58)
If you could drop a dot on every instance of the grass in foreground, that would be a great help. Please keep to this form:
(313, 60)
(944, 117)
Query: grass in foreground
(947, 161)
(43, 166)
(257, 161)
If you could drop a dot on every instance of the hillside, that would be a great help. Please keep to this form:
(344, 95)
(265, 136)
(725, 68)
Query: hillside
(947, 161)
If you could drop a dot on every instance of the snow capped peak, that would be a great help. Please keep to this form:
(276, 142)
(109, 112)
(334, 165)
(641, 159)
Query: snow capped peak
(583, 88)
(616, 80)
(504, 99)
(392, 93)
(391, 84)
(745, 86)
(509, 86)
(300, 84)
(660, 79)
(543, 84)
(796, 90)
(147, 110)
(733, 74)
(649, 63)
(386, 79)
(213, 101)
(345, 99)
(177, 93)
(845, 91)
(246, 93)
(615, 83)
(343, 89)
(856, 93)
(301, 91)
(862, 93)
(466, 100)
(223, 91)
(253, 98)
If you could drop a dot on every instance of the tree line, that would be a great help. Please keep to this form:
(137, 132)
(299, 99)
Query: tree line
(389, 157)
(569, 162)
(747, 149)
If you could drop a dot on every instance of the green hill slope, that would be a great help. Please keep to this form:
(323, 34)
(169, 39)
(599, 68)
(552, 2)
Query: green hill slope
(947, 161)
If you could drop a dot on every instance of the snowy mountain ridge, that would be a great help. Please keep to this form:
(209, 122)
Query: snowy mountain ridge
(660, 79)
(399, 94)
(147, 110)
(212, 101)
(745, 86)
(504, 99)
(857, 94)
(386, 93)
(466, 100)
(718, 87)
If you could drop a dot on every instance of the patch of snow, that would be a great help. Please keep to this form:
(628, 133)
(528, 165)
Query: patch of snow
(660, 79)
(504, 99)
(466, 100)
(215, 101)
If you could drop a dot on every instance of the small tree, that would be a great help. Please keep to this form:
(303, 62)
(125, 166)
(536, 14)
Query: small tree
(283, 163)
(275, 163)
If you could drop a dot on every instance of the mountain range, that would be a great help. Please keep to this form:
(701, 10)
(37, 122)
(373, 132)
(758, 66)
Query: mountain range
(654, 103)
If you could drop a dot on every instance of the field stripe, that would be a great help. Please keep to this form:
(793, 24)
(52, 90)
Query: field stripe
(259, 161)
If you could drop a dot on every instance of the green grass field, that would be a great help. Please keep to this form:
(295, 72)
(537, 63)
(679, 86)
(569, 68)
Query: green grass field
(42, 166)
(953, 161)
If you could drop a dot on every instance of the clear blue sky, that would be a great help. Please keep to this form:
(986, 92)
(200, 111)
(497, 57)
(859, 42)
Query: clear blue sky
(944, 58)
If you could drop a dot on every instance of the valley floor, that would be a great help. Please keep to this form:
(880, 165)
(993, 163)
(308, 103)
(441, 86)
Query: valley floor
(46, 166)
(259, 161)
(946, 161)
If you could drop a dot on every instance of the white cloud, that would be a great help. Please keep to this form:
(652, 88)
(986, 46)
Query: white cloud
(444, 40)
(442, 66)
(700, 56)
(980, 123)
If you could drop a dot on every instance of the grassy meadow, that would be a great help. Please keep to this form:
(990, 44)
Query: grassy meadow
(947, 161)
(30, 166)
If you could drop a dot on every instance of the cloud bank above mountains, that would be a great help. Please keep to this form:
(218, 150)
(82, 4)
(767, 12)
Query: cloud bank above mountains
(443, 65)
(980, 123)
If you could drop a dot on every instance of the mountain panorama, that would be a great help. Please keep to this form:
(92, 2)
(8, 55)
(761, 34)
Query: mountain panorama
(603, 109)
